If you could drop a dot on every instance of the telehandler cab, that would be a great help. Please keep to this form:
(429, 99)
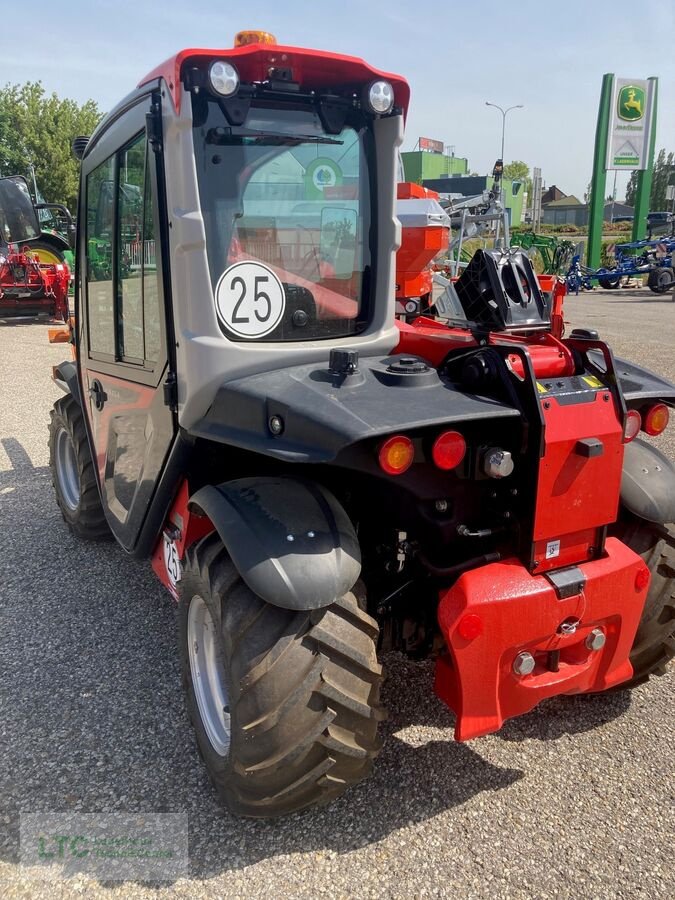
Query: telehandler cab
(315, 480)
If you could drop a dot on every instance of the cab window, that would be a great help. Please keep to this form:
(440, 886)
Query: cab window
(123, 297)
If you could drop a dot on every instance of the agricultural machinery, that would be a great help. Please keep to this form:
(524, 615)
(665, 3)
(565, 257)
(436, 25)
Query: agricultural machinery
(653, 259)
(318, 475)
(29, 282)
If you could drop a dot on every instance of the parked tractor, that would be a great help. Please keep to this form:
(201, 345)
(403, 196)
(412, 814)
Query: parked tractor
(317, 481)
(30, 282)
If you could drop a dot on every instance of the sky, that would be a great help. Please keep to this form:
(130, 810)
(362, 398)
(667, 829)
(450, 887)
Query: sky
(548, 56)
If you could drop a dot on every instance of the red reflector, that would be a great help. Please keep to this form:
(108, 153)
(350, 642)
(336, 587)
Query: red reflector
(642, 579)
(449, 450)
(470, 627)
(631, 425)
(656, 419)
(396, 455)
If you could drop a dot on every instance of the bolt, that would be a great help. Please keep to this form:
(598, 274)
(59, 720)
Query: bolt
(310, 534)
(276, 424)
(290, 538)
(596, 639)
(441, 506)
(523, 664)
(547, 405)
(605, 397)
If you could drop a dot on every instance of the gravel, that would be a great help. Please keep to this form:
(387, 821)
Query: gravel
(574, 799)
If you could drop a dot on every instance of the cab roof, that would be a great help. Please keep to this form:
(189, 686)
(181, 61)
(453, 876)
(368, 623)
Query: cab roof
(313, 69)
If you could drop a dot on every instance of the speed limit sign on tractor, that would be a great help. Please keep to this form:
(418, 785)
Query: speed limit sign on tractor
(250, 299)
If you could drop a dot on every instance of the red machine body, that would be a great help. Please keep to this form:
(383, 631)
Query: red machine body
(498, 611)
(504, 611)
(28, 286)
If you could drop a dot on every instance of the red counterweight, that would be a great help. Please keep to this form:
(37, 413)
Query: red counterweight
(514, 639)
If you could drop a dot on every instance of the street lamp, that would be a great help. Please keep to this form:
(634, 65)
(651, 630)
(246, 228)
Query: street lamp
(504, 112)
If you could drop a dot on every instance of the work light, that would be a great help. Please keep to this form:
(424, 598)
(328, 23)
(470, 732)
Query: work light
(380, 97)
(223, 78)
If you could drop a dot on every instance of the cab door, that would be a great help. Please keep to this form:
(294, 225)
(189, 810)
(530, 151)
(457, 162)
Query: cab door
(123, 337)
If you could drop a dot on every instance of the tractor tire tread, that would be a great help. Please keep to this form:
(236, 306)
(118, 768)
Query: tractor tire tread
(88, 520)
(304, 692)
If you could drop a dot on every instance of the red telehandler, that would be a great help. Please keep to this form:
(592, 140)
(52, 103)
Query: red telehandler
(316, 481)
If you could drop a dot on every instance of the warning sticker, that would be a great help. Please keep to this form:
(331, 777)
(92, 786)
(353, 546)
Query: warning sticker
(541, 388)
(552, 549)
(171, 560)
(250, 299)
(592, 381)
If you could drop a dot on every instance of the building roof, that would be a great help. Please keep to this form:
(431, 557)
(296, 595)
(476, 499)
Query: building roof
(551, 194)
(564, 202)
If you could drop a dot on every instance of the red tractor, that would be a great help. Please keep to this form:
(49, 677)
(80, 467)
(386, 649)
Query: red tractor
(29, 283)
(317, 481)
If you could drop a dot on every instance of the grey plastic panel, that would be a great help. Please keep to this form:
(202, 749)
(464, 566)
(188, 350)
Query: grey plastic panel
(648, 483)
(638, 383)
(205, 358)
(421, 213)
(291, 541)
(323, 414)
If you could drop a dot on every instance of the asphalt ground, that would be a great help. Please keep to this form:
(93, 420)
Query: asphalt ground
(575, 799)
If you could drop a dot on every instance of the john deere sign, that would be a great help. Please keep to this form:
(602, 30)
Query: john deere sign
(629, 124)
(631, 103)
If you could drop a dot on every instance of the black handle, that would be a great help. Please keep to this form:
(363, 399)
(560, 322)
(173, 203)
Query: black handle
(97, 394)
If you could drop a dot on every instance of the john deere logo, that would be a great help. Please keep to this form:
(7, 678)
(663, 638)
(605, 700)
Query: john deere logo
(631, 103)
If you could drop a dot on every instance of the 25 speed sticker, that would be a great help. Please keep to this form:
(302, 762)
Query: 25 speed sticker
(250, 299)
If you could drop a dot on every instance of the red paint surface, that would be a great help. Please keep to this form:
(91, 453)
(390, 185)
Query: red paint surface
(185, 529)
(522, 612)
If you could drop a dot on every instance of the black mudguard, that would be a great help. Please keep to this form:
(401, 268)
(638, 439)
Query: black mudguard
(291, 541)
(67, 372)
(648, 483)
(638, 383)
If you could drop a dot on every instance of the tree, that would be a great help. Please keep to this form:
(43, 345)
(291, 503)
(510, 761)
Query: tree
(519, 171)
(36, 130)
(664, 169)
(631, 188)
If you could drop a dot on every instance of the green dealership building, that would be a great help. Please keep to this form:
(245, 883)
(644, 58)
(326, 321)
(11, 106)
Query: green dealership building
(433, 167)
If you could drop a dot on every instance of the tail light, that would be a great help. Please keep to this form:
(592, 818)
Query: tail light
(631, 425)
(449, 450)
(655, 420)
(396, 455)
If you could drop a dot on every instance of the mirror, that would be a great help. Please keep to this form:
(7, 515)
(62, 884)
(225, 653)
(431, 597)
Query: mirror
(337, 246)
(18, 218)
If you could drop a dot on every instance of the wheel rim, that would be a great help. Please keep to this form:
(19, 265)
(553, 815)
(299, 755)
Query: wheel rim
(45, 255)
(66, 469)
(208, 678)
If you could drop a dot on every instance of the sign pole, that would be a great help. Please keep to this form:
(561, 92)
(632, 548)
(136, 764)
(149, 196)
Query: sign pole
(644, 179)
(599, 179)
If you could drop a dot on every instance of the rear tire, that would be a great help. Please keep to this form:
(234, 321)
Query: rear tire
(46, 252)
(661, 280)
(73, 474)
(608, 281)
(654, 645)
(300, 690)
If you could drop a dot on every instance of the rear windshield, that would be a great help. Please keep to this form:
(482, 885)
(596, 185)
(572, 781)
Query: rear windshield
(287, 212)
(18, 219)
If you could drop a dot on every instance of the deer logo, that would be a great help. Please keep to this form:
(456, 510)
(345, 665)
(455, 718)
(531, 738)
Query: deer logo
(631, 103)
